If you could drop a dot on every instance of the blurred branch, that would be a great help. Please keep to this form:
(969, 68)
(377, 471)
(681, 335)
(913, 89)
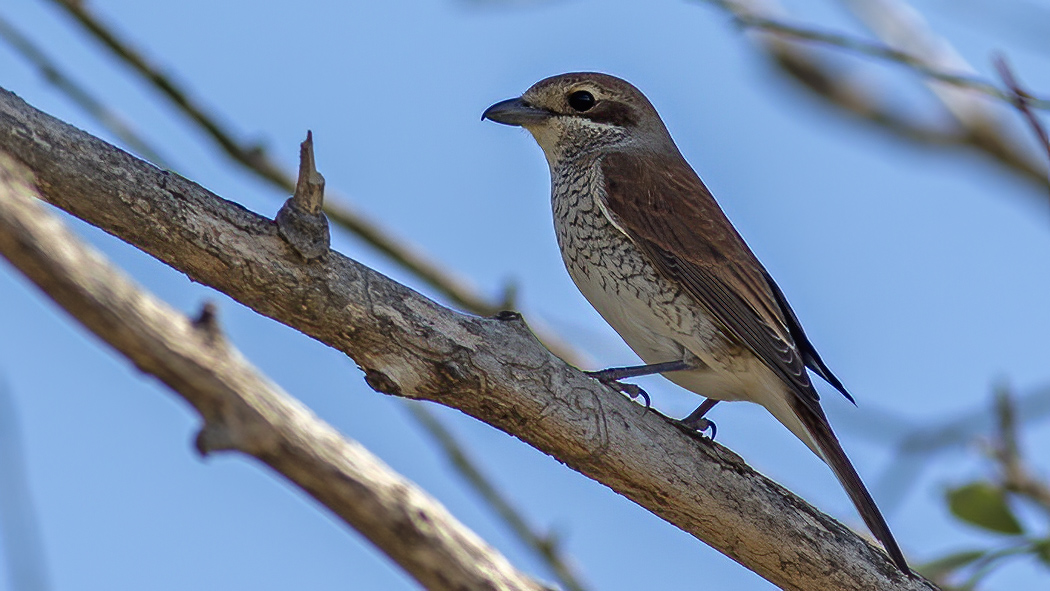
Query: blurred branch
(1016, 477)
(1021, 22)
(251, 156)
(1022, 100)
(914, 441)
(985, 503)
(977, 128)
(22, 545)
(255, 159)
(545, 547)
(77, 93)
(901, 25)
(243, 410)
(917, 64)
(904, 30)
(925, 437)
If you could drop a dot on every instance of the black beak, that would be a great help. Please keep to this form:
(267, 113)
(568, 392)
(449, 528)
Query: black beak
(515, 111)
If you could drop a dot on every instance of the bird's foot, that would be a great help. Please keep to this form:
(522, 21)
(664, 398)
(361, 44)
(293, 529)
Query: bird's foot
(632, 390)
(696, 421)
(700, 425)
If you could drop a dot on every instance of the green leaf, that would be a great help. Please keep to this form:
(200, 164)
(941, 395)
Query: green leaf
(1042, 551)
(984, 505)
(946, 565)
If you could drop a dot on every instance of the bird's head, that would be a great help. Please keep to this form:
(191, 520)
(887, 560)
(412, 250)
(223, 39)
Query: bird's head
(579, 113)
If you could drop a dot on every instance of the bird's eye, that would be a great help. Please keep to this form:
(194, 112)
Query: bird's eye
(581, 100)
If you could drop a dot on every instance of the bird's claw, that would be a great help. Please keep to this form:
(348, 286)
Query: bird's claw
(700, 425)
(632, 390)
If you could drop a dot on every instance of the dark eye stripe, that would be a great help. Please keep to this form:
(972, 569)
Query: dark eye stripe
(612, 113)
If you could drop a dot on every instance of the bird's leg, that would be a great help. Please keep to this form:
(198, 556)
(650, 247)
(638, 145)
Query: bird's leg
(634, 371)
(612, 376)
(696, 420)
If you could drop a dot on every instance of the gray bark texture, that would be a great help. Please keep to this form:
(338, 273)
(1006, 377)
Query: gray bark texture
(243, 410)
(493, 369)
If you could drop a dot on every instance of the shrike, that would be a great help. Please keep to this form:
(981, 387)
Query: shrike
(651, 250)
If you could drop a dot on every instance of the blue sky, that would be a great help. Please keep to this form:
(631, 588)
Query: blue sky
(919, 275)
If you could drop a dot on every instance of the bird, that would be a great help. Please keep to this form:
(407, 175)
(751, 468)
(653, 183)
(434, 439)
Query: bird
(652, 251)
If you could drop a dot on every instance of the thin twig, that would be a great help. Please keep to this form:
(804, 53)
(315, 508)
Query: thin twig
(914, 442)
(1022, 99)
(23, 547)
(884, 52)
(748, 19)
(545, 547)
(1007, 451)
(972, 127)
(899, 24)
(105, 116)
(256, 159)
(1016, 477)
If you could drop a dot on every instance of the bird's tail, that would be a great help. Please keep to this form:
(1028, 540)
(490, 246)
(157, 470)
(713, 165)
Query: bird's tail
(817, 426)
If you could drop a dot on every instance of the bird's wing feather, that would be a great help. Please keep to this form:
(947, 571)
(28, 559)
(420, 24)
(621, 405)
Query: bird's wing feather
(669, 214)
(809, 352)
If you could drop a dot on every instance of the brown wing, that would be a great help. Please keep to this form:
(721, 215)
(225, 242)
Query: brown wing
(670, 215)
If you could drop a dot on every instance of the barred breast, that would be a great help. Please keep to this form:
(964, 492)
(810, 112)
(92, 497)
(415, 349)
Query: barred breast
(655, 317)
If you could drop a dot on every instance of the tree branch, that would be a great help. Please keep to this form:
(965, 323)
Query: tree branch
(83, 98)
(744, 13)
(257, 162)
(242, 409)
(1006, 451)
(20, 534)
(967, 123)
(1022, 100)
(545, 547)
(491, 368)
(255, 159)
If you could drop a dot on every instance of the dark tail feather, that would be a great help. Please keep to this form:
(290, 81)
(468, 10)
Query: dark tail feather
(817, 425)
